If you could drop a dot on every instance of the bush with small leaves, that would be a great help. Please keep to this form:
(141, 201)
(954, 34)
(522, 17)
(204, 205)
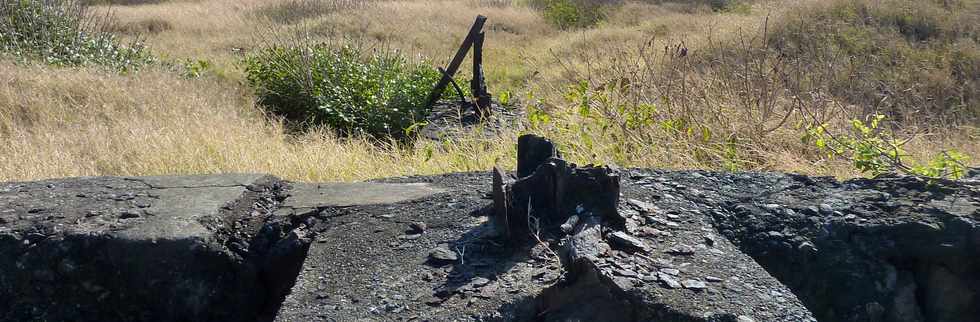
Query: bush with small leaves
(63, 33)
(349, 88)
(569, 14)
(875, 151)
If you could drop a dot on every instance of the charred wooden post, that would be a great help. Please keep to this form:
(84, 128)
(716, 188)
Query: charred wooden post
(474, 33)
(550, 192)
(478, 84)
(533, 151)
(500, 191)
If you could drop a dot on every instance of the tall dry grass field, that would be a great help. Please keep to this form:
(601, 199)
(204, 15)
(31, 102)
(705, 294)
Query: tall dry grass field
(620, 92)
(93, 123)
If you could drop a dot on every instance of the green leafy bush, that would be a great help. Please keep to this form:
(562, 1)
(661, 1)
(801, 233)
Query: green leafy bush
(61, 32)
(733, 6)
(568, 14)
(352, 89)
(875, 151)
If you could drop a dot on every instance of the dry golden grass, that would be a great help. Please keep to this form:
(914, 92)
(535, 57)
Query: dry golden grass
(60, 122)
(72, 122)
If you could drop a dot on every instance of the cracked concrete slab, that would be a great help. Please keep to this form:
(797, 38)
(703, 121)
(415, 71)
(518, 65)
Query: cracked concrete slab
(163, 248)
(132, 249)
(339, 194)
(176, 212)
(369, 263)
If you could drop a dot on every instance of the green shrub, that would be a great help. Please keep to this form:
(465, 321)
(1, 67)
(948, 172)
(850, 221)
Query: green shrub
(736, 6)
(377, 92)
(871, 149)
(61, 32)
(568, 14)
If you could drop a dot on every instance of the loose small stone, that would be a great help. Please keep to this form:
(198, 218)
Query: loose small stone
(417, 227)
(811, 210)
(569, 224)
(745, 318)
(694, 284)
(625, 240)
(128, 214)
(442, 254)
(410, 237)
(825, 209)
(670, 271)
(669, 281)
(681, 250)
(626, 273)
(709, 240)
(642, 206)
(480, 282)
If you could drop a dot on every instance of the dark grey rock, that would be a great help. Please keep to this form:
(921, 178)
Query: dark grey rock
(569, 226)
(694, 284)
(826, 209)
(670, 271)
(669, 281)
(417, 227)
(681, 250)
(709, 240)
(642, 206)
(745, 318)
(624, 240)
(129, 214)
(857, 241)
(626, 273)
(443, 255)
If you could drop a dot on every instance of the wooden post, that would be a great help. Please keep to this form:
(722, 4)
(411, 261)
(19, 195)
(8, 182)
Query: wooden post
(478, 84)
(475, 30)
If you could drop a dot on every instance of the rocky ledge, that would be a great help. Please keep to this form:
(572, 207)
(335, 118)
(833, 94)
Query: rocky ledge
(551, 242)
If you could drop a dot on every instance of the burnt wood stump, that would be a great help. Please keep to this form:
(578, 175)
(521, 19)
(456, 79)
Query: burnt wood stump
(549, 192)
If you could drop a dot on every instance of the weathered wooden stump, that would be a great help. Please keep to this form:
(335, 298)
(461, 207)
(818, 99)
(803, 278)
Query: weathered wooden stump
(550, 192)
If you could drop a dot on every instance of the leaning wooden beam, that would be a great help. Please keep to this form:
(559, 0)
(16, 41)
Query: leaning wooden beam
(457, 60)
